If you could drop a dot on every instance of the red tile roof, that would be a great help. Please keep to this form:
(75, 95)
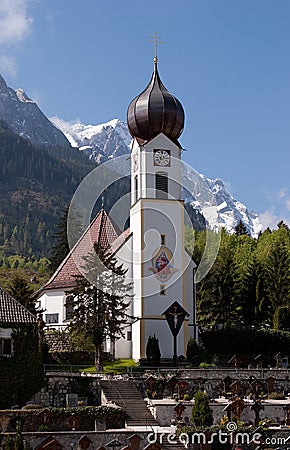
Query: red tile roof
(100, 232)
(114, 247)
(12, 312)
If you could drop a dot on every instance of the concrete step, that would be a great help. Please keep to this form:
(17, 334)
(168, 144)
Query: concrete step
(126, 395)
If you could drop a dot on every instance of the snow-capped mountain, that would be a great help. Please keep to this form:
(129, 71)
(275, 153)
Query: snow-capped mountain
(229, 210)
(99, 142)
(23, 117)
(104, 141)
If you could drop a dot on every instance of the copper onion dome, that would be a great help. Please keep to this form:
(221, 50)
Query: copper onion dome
(155, 111)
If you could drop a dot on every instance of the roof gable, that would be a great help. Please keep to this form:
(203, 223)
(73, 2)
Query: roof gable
(100, 232)
(12, 312)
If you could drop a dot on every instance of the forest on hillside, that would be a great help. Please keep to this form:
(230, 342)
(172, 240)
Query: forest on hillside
(249, 282)
(36, 185)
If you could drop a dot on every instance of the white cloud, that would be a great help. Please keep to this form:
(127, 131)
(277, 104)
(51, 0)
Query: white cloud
(62, 124)
(15, 25)
(7, 65)
(282, 193)
(268, 218)
(287, 204)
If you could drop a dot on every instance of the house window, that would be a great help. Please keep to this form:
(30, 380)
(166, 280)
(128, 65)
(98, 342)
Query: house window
(51, 318)
(6, 347)
(162, 289)
(161, 185)
(163, 240)
(69, 308)
(129, 335)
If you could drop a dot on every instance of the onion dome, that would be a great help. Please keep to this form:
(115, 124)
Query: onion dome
(155, 111)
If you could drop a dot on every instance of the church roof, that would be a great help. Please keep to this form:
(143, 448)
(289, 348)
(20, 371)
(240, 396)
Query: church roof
(155, 111)
(114, 247)
(101, 232)
(12, 312)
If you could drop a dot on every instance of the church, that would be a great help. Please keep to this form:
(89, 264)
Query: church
(152, 249)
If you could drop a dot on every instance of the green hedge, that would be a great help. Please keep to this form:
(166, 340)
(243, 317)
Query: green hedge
(113, 417)
(246, 341)
(21, 375)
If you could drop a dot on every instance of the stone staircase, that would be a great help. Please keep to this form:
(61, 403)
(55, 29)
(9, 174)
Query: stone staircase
(126, 395)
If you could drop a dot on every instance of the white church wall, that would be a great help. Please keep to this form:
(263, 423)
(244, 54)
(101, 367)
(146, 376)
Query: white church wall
(189, 278)
(162, 331)
(149, 169)
(123, 346)
(158, 217)
(52, 303)
(149, 219)
(136, 259)
(144, 169)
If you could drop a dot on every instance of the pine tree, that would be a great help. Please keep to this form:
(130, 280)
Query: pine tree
(241, 229)
(281, 319)
(249, 292)
(62, 245)
(100, 301)
(192, 350)
(201, 414)
(153, 351)
(23, 293)
(277, 267)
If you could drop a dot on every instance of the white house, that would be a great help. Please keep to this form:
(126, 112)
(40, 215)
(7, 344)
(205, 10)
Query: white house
(12, 314)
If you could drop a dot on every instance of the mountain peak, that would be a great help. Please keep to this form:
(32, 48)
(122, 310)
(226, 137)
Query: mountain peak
(99, 142)
(107, 140)
(23, 117)
(22, 96)
(3, 85)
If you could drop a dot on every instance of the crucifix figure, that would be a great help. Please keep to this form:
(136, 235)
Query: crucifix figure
(175, 315)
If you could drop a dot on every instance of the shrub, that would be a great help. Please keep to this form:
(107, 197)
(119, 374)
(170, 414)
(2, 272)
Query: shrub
(152, 351)
(193, 351)
(281, 319)
(276, 396)
(246, 341)
(201, 413)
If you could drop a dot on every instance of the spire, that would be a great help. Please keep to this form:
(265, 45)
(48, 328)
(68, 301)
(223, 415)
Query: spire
(155, 111)
(157, 41)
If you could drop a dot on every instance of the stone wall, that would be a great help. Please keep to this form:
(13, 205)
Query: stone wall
(71, 440)
(217, 382)
(163, 410)
(63, 419)
(59, 384)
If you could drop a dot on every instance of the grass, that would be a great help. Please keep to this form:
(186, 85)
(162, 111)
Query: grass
(116, 367)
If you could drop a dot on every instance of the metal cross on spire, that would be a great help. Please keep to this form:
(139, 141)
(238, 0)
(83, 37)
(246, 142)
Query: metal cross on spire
(157, 41)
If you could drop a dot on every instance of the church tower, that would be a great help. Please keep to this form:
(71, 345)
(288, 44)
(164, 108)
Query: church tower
(162, 269)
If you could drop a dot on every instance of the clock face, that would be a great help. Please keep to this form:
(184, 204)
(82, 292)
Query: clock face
(161, 158)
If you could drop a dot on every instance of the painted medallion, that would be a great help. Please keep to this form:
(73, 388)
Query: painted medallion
(162, 264)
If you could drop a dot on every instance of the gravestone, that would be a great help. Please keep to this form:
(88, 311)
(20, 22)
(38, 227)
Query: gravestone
(72, 400)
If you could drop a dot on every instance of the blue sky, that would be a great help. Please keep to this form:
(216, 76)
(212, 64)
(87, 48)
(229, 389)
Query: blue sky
(227, 61)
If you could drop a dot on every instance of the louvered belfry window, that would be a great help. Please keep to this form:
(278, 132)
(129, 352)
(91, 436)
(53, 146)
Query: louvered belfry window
(161, 185)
